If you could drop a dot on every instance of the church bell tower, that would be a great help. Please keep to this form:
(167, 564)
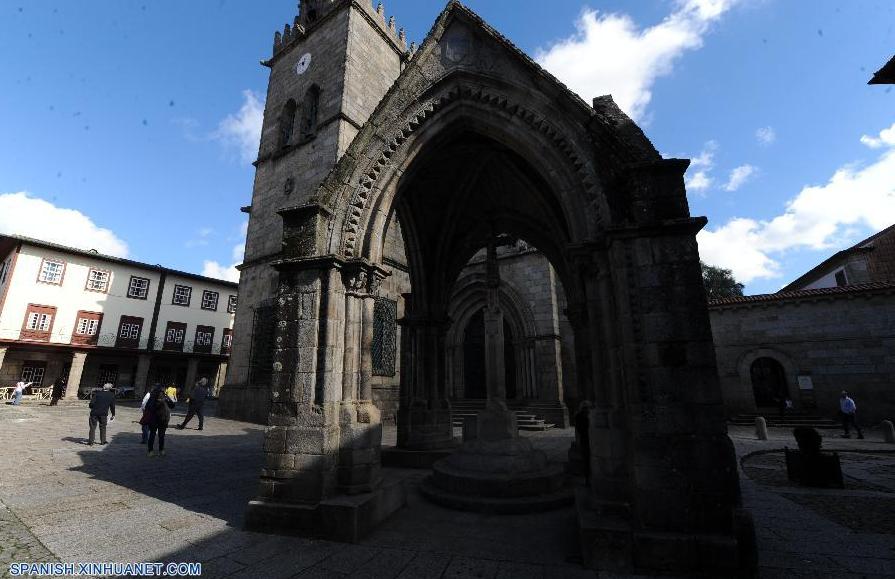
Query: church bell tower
(329, 69)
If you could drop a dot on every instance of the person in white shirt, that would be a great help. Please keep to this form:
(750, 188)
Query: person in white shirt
(143, 409)
(17, 393)
(848, 412)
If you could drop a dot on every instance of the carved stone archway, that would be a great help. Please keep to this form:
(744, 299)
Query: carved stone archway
(474, 139)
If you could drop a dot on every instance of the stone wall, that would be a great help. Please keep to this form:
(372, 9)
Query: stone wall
(844, 340)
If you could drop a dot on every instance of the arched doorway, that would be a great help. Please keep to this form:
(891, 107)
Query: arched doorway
(768, 382)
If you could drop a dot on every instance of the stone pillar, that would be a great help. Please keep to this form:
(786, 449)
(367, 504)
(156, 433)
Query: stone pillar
(424, 414)
(141, 380)
(74, 375)
(192, 369)
(495, 369)
(3, 351)
(359, 421)
(660, 394)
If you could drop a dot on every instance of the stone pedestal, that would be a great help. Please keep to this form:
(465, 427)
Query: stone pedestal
(498, 472)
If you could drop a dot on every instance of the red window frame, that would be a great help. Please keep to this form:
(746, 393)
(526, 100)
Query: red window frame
(61, 276)
(108, 273)
(80, 339)
(37, 335)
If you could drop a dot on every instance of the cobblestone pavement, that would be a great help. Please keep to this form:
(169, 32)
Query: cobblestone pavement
(70, 502)
(821, 533)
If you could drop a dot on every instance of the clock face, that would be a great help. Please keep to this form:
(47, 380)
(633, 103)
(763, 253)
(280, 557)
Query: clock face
(303, 63)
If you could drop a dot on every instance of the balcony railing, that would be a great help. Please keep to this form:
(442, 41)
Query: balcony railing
(113, 341)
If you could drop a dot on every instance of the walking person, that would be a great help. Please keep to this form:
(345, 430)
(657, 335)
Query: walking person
(17, 393)
(196, 404)
(101, 404)
(848, 412)
(156, 416)
(144, 424)
(58, 391)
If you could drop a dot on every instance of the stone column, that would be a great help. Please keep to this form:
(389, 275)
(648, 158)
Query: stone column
(74, 375)
(192, 369)
(360, 421)
(661, 457)
(141, 380)
(320, 442)
(3, 351)
(424, 414)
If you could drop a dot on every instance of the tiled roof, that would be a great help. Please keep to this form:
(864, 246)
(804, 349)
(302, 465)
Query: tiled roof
(840, 291)
(112, 259)
(818, 270)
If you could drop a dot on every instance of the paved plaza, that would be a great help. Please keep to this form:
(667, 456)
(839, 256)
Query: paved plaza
(65, 501)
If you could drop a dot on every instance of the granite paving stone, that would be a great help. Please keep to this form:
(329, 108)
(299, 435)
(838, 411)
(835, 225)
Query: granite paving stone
(62, 500)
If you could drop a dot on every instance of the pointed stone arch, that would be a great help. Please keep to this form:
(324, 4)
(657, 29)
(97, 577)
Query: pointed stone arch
(611, 216)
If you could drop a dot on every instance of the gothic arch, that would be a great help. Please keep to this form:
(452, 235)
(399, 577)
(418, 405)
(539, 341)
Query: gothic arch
(468, 298)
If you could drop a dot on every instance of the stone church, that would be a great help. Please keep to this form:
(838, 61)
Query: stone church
(399, 194)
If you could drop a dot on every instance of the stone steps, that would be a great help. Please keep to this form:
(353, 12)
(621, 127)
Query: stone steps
(791, 420)
(525, 420)
(529, 414)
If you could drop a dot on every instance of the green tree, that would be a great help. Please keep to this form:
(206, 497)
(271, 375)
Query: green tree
(719, 282)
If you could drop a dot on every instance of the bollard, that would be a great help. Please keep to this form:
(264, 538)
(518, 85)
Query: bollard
(761, 428)
(888, 431)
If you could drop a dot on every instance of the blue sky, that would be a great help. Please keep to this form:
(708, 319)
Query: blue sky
(126, 123)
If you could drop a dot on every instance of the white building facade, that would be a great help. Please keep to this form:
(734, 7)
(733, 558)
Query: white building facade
(92, 319)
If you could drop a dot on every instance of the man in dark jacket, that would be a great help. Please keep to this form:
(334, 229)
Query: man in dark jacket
(58, 391)
(101, 404)
(197, 403)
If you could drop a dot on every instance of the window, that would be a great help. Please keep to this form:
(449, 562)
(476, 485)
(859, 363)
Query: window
(204, 339)
(309, 108)
(210, 300)
(385, 329)
(182, 295)
(129, 332)
(174, 334)
(51, 271)
(87, 328)
(34, 372)
(138, 288)
(38, 322)
(98, 280)
(231, 305)
(108, 374)
(227, 341)
(840, 278)
(4, 270)
(287, 123)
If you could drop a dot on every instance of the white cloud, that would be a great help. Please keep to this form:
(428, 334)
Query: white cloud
(766, 135)
(242, 130)
(216, 270)
(886, 137)
(610, 54)
(739, 176)
(201, 239)
(701, 180)
(22, 214)
(819, 217)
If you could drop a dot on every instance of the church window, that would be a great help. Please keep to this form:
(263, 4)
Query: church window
(840, 278)
(309, 111)
(287, 122)
(385, 330)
